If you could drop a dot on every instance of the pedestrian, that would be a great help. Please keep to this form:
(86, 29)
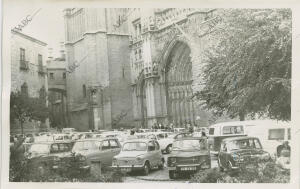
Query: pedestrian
(132, 136)
(283, 149)
(191, 129)
(283, 155)
(203, 141)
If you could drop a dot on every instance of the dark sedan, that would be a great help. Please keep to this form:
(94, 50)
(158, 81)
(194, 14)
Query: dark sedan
(189, 155)
(238, 152)
(48, 154)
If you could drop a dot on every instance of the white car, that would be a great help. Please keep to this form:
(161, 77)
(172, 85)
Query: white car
(165, 139)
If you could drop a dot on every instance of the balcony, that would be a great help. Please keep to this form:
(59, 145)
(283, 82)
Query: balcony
(24, 65)
(42, 69)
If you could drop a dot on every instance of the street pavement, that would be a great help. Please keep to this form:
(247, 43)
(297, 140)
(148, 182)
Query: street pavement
(160, 175)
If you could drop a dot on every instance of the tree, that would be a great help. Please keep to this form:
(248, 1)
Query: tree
(23, 107)
(248, 70)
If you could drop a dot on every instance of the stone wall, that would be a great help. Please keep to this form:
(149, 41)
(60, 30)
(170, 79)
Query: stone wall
(119, 80)
(100, 58)
(35, 80)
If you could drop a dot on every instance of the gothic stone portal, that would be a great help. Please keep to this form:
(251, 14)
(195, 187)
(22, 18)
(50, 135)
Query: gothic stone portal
(178, 82)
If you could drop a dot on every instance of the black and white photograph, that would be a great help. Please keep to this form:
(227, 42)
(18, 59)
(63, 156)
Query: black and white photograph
(149, 95)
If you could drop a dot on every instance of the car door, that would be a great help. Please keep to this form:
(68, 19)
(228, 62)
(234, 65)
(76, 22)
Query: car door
(105, 154)
(222, 155)
(64, 149)
(115, 147)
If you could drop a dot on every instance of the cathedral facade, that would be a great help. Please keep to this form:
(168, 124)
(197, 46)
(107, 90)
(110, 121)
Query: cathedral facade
(136, 67)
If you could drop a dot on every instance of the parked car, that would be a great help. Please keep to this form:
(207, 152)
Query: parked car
(179, 130)
(68, 130)
(241, 151)
(100, 149)
(189, 155)
(48, 154)
(139, 154)
(220, 131)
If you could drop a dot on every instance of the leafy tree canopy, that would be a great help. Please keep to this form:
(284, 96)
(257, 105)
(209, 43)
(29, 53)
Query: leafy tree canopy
(23, 107)
(248, 70)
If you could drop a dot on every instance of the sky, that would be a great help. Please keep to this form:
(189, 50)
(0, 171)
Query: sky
(47, 25)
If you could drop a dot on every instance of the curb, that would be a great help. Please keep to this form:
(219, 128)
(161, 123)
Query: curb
(151, 179)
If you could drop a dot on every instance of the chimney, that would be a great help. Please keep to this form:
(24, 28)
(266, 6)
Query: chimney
(62, 51)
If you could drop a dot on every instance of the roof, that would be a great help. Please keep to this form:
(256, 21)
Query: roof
(249, 122)
(29, 37)
(237, 138)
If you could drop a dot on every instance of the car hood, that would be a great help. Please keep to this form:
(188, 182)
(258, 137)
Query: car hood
(130, 154)
(32, 155)
(188, 153)
(249, 152)
(40, 155)
(84, 152)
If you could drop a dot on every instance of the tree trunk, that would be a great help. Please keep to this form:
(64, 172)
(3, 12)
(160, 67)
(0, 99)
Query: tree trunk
(22, 129)
(242, 116)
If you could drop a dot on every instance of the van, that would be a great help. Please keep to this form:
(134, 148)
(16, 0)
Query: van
(271, 133)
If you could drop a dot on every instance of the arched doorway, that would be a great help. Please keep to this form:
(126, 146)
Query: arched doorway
(178, 80)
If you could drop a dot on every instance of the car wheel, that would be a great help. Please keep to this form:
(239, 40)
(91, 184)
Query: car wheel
(168, 149)
(172, 175)
(220, 166)
(146, 168)
(231, 172)
(161, 166)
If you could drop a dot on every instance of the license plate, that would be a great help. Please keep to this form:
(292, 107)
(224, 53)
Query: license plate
(188, 168)
(250, 167)
(126, 169)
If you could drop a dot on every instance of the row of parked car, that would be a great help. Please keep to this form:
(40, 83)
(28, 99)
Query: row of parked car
(143, 151)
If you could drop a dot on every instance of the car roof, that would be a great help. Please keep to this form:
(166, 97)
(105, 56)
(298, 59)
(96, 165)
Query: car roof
(96, 139)
(139, 140)
(190, 138)
(52, 142)
(238, 138)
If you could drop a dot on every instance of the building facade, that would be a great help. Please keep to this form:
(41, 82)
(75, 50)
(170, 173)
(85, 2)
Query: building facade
(56, 71)
(28, 70)
(166, 62)
(142, 66)
(98, 69)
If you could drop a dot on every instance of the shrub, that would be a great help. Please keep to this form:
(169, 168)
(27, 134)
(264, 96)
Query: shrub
(267, 172)
(31, 171)
(208, 176)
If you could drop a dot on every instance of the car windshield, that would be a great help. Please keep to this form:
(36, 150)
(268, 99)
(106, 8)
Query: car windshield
(135, 146)
(39, 148)
(244, 144)
(190, 145)
(85, 145)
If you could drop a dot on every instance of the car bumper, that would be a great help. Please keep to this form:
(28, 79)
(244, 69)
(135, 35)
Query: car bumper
(188, 168)
(128, 168)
